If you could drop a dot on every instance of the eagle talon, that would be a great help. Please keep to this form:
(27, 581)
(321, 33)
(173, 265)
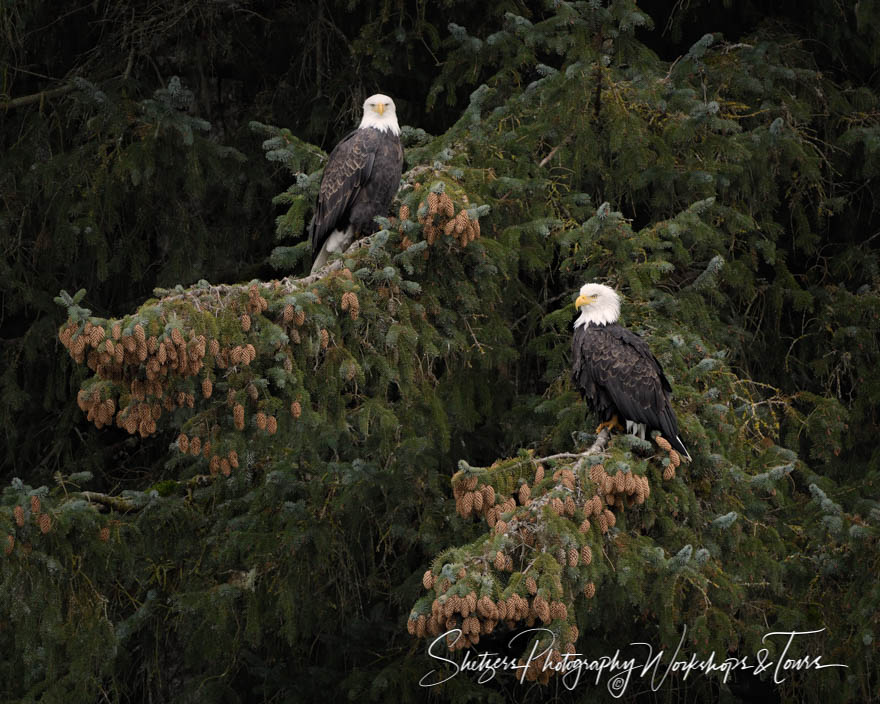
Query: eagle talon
(612, 425)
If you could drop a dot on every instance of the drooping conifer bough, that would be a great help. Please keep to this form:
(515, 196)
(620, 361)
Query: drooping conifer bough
(359, 182)
(616, 372)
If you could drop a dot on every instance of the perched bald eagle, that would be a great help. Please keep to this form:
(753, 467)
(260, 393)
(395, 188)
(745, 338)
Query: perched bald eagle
(360, 180)
(616, 372)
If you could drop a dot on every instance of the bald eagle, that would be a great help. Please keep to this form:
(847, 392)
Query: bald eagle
(360, 180)
(616, 372)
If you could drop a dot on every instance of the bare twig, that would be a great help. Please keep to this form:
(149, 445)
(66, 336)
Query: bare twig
(553, 151)
(117, 503)
(35, 97)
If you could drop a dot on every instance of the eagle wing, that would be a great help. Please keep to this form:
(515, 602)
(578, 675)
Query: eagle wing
(349, 167)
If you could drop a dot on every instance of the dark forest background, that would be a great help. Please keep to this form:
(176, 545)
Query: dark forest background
(715, 161)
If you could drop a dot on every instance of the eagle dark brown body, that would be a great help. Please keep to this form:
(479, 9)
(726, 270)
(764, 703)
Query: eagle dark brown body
(615, 370)
(359, 182)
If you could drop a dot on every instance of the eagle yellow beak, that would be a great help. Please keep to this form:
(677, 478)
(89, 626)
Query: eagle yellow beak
(583, 300)
(380, 108)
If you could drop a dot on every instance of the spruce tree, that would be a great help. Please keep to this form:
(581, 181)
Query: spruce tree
(355, 463)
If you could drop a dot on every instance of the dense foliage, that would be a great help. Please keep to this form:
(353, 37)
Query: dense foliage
(227, 482)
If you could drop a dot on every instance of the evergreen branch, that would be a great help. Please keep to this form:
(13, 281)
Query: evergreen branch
(220, 292)
(598, 447)
(36, 97)
(117, 503)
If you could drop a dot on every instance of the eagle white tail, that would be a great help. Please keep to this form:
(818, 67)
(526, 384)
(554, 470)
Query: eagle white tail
(337, 241)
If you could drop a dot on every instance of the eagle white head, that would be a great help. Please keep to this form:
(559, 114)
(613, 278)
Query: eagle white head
(598, 304)
(379, 112)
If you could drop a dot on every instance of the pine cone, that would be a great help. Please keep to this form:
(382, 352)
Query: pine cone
(531, 585)
(675, 458)
(590, 590)
(597, 472)
(488, 495)
(586, 554)
(18, 512)
(246, 322)
(10, 544)
(97, 336)
(351, 304)
(195, 446)
(542, 609)
(585, 526)
(433, 203)
(403, 213)
(428, 579)
(300, 318)
(447, 205)
(467, 504)
(35, 504)
(573, 557)
(524, 494)
(669, 472)
(45, 523)
(261, 420)
(570, 506)
(500, 561)
(619, 482)
(272, 425)
(238, 416)
(539, 474)
(295, 409)
(225, 468)
(207, 387)
(325, 338)
(663, 443)
(478, 501)
(183, 443)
